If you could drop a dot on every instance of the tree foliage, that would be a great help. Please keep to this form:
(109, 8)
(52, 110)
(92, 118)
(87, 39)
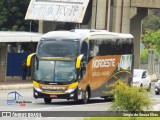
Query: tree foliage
(12, 14)
(152, 21)
(151, 39)
(151, 30)
(128, 98)
(144, 55)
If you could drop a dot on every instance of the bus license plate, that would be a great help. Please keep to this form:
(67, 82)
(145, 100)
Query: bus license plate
(53, 96)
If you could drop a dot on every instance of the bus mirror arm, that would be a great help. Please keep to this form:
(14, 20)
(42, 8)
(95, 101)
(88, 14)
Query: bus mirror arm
(37, 63)
(83, 64)
(79, 60)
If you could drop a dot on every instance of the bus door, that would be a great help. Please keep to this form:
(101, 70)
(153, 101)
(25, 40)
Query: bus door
(84, 51)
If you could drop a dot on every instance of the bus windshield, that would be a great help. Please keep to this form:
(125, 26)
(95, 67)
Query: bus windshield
(58, 48)
(55, 71)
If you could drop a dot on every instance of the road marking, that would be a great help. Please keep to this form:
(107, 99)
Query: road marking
(39, 109)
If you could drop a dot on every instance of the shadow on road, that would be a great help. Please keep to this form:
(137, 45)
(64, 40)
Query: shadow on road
(71, 102)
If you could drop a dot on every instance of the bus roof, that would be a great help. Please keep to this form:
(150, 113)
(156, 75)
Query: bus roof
(109, 35)
(85, 34)
(61, 35)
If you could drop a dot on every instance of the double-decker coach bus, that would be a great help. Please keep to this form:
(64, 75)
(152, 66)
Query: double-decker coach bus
(79, 65)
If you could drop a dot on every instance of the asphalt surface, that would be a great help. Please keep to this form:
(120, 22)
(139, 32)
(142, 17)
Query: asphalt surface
(24, 88)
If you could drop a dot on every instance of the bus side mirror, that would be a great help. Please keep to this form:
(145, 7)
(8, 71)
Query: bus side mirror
(30, 63)
(29, 59)
(78, 62)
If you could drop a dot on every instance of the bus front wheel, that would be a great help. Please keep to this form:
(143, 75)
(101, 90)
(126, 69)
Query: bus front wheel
(47, 100)
(86, 97)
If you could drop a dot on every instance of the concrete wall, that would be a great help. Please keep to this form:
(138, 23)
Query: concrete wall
(98, 14)
(3, 61)
(136, 30)
(145, 3)
(122, 13)
(46, 26)
(117, 9)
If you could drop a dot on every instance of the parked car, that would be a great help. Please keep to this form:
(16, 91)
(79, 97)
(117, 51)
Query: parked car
(157, 87)
(141, 78)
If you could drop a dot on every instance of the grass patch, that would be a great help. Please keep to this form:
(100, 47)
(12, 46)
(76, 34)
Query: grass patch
(123, 118)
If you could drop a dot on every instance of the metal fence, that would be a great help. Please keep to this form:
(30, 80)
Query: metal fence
(14, 63)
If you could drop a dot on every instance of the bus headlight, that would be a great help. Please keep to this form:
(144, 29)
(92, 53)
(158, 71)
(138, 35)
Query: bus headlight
(38, 89)
(70, 90)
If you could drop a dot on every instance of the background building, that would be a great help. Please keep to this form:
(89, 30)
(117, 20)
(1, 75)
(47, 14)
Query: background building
(123, 16)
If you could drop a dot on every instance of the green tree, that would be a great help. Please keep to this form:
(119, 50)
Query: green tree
(144, 55)
(12, 14)
(152, 21)
(151, 39)
(151, 33)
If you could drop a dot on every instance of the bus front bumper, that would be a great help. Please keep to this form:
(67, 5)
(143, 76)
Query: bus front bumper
(72, 95)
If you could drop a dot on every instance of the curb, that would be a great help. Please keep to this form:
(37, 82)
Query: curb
(18, 86)
(156, 107)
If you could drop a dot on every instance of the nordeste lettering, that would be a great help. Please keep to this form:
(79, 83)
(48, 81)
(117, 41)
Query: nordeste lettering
(103, 63)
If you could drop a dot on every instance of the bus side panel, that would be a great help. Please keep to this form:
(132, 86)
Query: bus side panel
(104, 70)
(123, 75)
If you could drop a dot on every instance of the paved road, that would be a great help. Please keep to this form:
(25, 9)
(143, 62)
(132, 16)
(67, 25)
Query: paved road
(77, 110)
(96, 104)
(155, 99)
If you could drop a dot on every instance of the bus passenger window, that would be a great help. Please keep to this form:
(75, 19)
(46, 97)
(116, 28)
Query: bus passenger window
(93, 49)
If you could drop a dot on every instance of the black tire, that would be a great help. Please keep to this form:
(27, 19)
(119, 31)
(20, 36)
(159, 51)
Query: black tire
(86, 97)
(157, 93)
(76, 100)
(76, 96)
(47, 100)
(149, 88)
(105, 98)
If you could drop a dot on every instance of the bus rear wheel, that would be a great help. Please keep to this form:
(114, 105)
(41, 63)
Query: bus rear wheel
(47, 100)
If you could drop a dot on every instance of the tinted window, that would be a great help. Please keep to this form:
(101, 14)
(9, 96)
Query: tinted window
(59, 48)
(110, 47)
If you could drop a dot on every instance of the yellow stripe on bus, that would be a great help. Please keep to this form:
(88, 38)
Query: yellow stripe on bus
(55, 58)
(29, 59)
(119, 72)
(78, 63)
(73, 85)
(49, 93)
